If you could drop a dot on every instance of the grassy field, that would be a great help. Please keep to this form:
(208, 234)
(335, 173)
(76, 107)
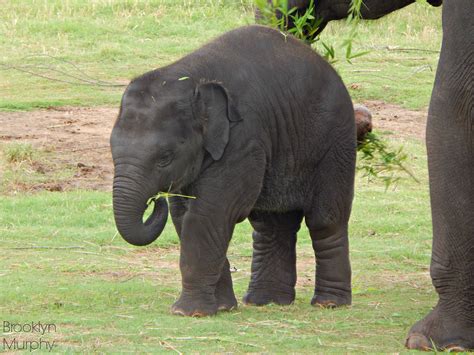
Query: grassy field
(62, 262)
(114, 41)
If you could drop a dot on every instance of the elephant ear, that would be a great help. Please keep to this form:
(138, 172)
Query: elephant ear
(217, 110)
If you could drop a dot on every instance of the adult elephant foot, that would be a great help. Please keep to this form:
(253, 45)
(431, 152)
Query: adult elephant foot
(194, 306)
(442, 331)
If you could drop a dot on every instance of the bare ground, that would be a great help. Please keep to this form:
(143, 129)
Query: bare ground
(77, 140)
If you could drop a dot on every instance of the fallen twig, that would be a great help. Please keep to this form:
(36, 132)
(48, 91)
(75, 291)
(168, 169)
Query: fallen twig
(400, 49)
(44, 247)
(214, 338)
(167, 345)
(83, 79)
(87, 252)
(366, 71)
(82, 72)
(61, 125)
(90, 148)
(86, 83)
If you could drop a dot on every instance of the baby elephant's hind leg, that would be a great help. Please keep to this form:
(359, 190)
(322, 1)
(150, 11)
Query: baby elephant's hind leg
(273, 275)
(333, 270)
(327, 221)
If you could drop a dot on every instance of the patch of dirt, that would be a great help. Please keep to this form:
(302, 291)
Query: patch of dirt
(400, 121)
(78, 138)
(74, 138)
(305, 266)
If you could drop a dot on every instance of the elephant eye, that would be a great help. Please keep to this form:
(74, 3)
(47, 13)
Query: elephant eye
(165, 159)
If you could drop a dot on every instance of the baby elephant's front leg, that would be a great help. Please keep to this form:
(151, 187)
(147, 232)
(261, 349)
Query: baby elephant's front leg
(202, 263)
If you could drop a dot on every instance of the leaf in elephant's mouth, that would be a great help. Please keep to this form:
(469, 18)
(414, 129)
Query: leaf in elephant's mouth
(166, 195)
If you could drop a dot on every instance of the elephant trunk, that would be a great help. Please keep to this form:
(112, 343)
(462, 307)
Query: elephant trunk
(130, 203)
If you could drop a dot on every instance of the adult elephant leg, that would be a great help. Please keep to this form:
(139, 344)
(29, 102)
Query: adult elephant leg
(450, 142)
(273, 275)
(327, 219)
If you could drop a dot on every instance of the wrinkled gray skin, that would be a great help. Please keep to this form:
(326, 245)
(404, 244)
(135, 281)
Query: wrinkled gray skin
(329, 10)
(450, 143)
(255, 125)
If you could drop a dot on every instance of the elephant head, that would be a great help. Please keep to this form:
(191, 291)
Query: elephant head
(159, 141)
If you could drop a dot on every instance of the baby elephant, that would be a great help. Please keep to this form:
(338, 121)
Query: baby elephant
(253, 125)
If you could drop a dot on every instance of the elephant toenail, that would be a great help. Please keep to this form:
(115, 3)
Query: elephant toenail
(454, 348)
(418, 341)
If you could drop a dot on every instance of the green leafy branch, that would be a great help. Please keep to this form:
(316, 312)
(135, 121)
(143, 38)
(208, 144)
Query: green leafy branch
(305, 26)
(377, 161)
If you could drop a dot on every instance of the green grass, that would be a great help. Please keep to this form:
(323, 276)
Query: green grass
(61, 260)
(19, 152)
(23, 167)
(107, 296)
(403, 55)
(116, 40)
